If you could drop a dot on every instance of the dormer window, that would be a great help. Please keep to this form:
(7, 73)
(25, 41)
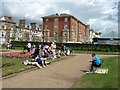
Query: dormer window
(56, 19)
(46, 26)
(65, 26)
(47, 20)
(66, 19)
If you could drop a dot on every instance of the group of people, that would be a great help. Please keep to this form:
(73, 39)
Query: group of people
(43, 53)
(9, 46)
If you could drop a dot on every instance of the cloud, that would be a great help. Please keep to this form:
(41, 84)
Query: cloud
(65, 11)
(98, 13)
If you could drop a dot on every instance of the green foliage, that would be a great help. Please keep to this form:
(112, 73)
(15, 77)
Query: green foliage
(74, 46)
(97, 52)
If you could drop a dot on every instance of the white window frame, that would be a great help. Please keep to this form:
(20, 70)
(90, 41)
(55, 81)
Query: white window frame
(46, 20)
(46, 27)
(65, 26)
(65, 19)
(64, 33)
(55, 26)
(56, 19)
(55, 33)
(73, 33)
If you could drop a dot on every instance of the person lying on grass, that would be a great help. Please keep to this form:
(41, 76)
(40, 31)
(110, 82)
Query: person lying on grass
(95, 61)
(41, 60)
(37, 61)
(31, 63)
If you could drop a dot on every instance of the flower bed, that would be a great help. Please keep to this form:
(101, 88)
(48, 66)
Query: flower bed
(17, 55)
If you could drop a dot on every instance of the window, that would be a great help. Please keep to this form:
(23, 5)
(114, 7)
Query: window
(2, 34)
(3, 27)
(65, 26)
(47, 20)
(56, 19)
(72, 33)
(55, 33)
(55, 26)
(46, 26)
(66, 19)
(32, 27)
(46, 34)
(80, 36)
(64, 34)
(55, 39)
(64, 40)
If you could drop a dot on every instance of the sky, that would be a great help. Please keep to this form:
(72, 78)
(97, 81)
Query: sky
(101, 15)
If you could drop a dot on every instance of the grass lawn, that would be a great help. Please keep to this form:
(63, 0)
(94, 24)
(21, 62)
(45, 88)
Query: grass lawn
(19, 48)
(97, 52)
(15, 66)
(16, 48)
(4, 50)
(110, 80)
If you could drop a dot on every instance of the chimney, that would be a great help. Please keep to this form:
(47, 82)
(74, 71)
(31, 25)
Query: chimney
(57, 14)
(88, 26)
(33, 25)
(6, 16)
(41, 26)
(22, 22)
(10, 18)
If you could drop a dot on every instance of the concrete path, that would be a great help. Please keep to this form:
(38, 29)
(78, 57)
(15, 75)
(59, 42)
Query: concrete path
(62, 74)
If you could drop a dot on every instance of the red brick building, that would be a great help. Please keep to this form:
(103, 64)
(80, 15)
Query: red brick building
(64, 28)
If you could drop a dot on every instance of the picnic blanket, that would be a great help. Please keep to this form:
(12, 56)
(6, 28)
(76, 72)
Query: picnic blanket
(99, 71)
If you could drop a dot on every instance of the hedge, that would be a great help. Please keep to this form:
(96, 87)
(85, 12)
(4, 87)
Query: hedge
(74, 46)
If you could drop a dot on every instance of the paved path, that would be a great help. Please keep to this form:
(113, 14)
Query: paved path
(62, 74)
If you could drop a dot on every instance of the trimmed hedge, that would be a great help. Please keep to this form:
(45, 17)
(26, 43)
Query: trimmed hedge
(74, 46)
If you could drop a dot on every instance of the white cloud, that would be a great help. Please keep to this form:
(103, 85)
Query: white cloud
(65, 11)
(98, 13)
(92, 21)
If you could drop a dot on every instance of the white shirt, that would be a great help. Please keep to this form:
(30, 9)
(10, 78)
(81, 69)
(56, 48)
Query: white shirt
(29, 45)
(53, 46)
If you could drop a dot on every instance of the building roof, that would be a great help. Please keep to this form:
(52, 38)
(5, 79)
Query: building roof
(6, 19)
(56, 15)
(63, 15)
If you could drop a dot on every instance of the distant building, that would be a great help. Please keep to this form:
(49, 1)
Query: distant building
(12, 31)
(64, 28)
(113, 41)
(93, 34)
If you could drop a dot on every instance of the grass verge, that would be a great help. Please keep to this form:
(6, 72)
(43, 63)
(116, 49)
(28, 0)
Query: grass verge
(17, 67)
(110, 80)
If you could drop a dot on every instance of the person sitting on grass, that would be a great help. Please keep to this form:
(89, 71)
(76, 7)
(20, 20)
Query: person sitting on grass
(36, 52)
(95, 61)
